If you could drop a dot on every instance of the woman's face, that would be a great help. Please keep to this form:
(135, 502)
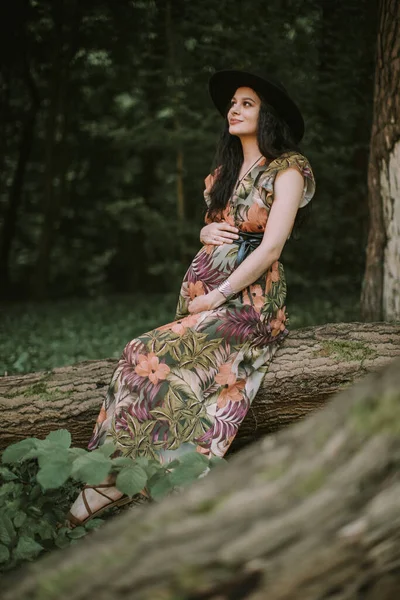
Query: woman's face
(243, 113)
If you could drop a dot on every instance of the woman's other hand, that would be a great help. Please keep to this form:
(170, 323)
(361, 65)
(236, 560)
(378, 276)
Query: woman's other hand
(218, 233)
(213, 299)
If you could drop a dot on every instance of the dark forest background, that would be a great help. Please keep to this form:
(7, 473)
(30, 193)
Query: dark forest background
(107, 133)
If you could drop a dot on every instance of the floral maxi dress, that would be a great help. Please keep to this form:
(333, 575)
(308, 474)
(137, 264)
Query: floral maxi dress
(188, 385)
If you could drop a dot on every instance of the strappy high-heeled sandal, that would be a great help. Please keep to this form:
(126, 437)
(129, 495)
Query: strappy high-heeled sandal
(92, 514)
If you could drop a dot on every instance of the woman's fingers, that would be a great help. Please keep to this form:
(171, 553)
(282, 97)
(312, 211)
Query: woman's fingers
(216, 241)
(226, 236)
(228, 231)
(226, 227)
(219, 233)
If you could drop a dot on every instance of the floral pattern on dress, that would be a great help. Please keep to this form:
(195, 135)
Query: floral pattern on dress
(188, 384)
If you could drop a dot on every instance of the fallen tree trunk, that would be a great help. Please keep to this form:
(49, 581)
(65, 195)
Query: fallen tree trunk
(310, 512)
(311, 365)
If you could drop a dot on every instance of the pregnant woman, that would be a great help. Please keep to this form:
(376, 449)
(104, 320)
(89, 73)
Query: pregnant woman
(187, 385)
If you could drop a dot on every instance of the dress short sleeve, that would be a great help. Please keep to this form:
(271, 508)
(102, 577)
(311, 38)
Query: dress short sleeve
(207, 187)
(208, 183)
(286, 160)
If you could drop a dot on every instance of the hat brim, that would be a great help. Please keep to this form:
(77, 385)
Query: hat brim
(222, 86)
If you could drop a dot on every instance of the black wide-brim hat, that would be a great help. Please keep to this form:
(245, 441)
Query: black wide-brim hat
(223, 85)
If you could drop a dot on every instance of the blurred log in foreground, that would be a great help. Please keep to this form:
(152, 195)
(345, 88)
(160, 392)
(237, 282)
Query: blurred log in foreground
(307, 513)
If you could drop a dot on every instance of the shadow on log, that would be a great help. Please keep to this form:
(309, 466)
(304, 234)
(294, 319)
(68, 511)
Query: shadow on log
(312, 364)
(307, 513)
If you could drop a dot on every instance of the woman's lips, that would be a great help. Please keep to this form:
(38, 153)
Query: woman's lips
(233, 121)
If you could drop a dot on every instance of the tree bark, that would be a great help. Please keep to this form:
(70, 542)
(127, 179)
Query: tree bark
(20, 68)
(381, 288)
(174, 70)
(308, 513)
(56, 159)
(312, 364)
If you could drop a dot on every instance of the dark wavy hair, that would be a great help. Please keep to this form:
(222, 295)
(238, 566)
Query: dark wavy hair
(274, 137)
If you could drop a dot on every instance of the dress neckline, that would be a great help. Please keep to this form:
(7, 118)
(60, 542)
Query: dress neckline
(265, 162)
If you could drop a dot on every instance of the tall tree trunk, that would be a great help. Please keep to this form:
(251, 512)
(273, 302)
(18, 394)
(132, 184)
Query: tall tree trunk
(50, 205)
(25, 147)
(329, 30)
(361, 100)
(309, 513)
(5, 85)
(381, 287)
(15, 64)
(179, 180)
(66, 44)
(175, 74)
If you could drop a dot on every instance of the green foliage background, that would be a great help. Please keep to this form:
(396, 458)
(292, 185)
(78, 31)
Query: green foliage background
(113, 93)
(104, 113)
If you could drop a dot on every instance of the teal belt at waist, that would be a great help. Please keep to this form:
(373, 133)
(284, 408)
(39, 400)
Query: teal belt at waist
(247, 242)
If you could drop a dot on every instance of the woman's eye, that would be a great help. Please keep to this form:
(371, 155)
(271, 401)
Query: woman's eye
(245, 103)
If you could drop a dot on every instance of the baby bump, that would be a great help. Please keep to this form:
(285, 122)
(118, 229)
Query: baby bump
(211, 265)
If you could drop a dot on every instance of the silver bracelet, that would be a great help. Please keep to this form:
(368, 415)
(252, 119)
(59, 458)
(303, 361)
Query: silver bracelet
(226, 289)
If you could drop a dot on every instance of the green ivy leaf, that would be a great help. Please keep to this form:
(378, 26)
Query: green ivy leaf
(161, 487)
(183, 476)
(53, 453)
(54, 473)
(215, 461)
(44, 450)
(194, 459)
(121, 461)
(26, 548)
(107, 449)
(14, 505)
(6, 474)
(131, 480)
(77, 452)
(142, 461)
(154, 467)
(33, 510)
(7, 531)
(33, 453)
(62, 541)
(45, 530)
(61, 437)
(92, 468)
(17, 452)
(36, 491)
(4, 553)
(19, 518)
(192, 465)
(174, 463)
(94, 524)
(7, 489)
(76, 533)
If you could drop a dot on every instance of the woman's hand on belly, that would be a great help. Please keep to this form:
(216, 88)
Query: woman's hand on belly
(206, 302)
(218, 233)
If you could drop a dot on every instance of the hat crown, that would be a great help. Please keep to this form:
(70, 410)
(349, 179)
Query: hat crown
(222, 85)
(270, 78)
